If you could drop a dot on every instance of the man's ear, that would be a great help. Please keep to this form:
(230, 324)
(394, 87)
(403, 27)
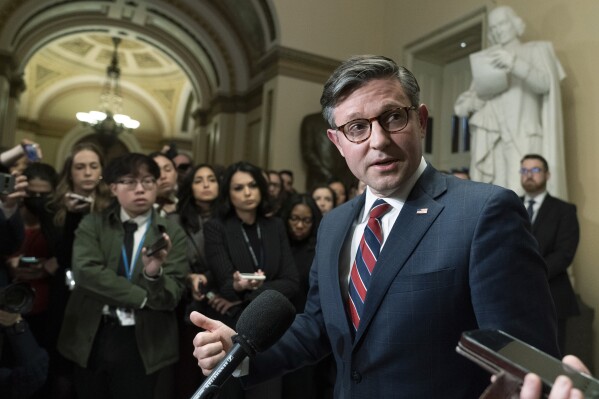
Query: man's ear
(333, 135)
(113, 188)
(423, 119)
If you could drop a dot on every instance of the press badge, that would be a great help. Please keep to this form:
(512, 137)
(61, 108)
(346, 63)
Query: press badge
(126, 317)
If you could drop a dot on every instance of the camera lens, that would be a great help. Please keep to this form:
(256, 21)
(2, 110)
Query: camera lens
(16, 298)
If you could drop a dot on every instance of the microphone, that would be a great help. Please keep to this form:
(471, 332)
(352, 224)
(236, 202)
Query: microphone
(260, 325)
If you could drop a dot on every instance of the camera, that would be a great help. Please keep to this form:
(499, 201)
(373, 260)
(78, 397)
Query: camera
(7, 183)
(16, 298)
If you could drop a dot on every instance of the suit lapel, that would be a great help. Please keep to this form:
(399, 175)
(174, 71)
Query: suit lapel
(544, 210)
(541, 217)
(417, 215)
(334, 271)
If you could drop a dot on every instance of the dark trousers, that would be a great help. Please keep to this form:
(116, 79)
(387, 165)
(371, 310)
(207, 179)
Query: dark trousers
(115, 369)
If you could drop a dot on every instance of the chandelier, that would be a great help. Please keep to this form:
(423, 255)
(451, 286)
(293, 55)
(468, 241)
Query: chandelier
(109, 120)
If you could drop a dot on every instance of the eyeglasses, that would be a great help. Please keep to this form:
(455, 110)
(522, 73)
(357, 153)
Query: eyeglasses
(526, 172)
(358, 130)
(296, 219)
(147, 183)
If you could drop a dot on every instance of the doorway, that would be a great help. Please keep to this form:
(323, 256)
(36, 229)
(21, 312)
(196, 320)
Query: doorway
(440, 62)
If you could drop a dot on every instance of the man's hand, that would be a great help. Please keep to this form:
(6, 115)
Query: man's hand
(562, 387)
(211, 345)
(152, 264)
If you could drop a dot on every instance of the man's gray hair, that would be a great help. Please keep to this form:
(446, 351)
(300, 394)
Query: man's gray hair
(356, 72)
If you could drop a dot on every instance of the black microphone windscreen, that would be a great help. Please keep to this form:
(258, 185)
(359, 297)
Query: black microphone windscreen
(265, 320)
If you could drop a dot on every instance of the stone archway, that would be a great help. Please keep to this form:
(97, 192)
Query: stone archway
(217, 48)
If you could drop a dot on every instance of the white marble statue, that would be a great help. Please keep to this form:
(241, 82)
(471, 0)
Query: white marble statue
(515, 104)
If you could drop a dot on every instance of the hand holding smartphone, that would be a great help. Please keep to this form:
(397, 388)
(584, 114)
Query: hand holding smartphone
(28, 261)
(497, 351)
(156, 246)
(252, 276)
(80, 198)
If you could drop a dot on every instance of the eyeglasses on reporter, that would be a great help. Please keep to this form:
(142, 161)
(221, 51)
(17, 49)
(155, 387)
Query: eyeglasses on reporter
(296, 219)
(534, 171)
(130, 184)
(392, 121)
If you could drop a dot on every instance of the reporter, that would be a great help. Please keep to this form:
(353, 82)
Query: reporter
(244, 239)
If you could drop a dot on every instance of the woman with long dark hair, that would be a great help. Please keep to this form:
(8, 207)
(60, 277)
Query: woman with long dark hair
(196, 197)
(248, 252)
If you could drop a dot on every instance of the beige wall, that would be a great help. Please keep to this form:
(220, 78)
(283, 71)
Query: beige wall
(329, 28)
(571, 26)
(293, 100)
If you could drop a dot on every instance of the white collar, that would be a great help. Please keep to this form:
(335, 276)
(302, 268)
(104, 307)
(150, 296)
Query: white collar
(399, 197)
(538, 199)
(140, 220)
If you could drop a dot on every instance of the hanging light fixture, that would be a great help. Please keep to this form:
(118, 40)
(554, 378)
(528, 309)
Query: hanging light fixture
(109, 120)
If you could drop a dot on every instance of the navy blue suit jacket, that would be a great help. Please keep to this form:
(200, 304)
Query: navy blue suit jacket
(557, 232)
(468, 262)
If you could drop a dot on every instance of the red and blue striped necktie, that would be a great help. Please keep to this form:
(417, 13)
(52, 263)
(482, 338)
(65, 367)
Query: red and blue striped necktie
(366, 257)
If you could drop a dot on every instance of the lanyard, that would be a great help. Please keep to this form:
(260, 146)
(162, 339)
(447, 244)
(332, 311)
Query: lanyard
(129, 272)
(249, 245)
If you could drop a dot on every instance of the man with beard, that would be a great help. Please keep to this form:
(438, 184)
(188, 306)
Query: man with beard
(555, 226)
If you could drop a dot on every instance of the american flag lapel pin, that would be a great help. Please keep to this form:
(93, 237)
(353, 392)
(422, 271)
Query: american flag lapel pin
(422, 211)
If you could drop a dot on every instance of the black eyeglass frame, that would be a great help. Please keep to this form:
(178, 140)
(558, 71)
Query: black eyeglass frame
(148, 183)
(378, 118)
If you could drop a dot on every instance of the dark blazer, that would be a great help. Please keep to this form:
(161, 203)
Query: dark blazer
(227, 251)
(459, 257)
(557, 232)
(13, 232)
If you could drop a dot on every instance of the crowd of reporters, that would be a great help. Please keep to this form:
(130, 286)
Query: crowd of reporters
(236, 220)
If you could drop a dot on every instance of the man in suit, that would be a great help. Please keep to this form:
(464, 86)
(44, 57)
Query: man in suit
(555, 226)
(455, 256)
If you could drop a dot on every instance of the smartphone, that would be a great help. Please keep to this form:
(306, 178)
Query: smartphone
(497, 351)
(252, 276)
(7, 183)
(156, 246)
(80, 198)
(26, 261)
(31, 152)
